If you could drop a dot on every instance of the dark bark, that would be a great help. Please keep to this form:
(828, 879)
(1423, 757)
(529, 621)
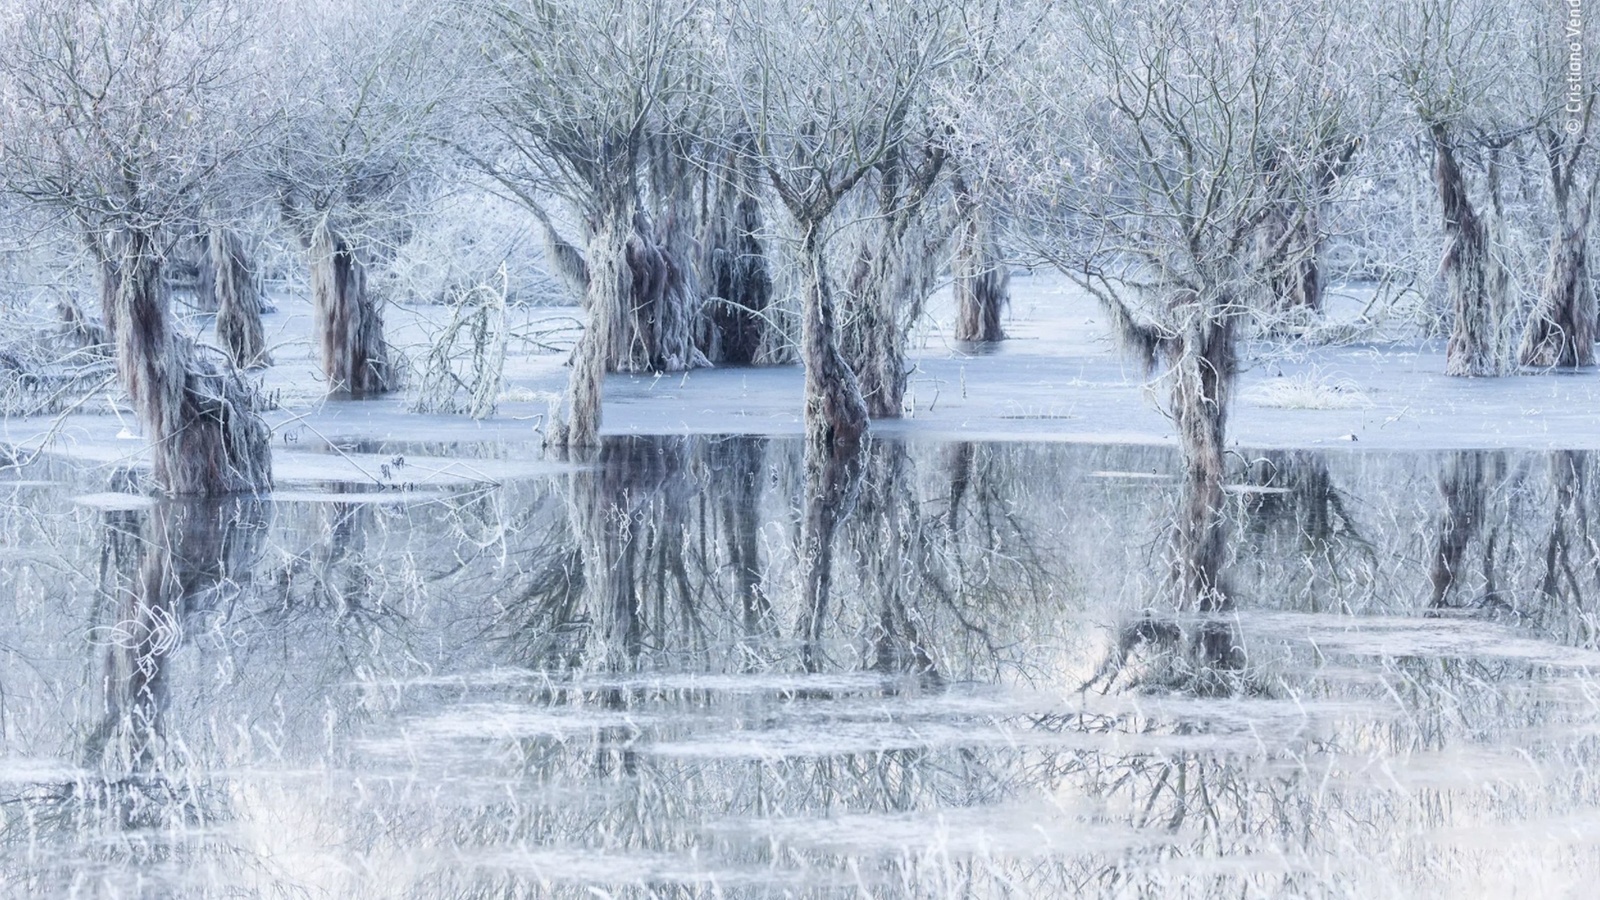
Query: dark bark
(891, 278)
(1561, 332)
(981, 279)
(156, 566)
(889, 543)
(1294, 282)
(1289, 239)
(658, 328)
(196, 254)
(79, 331)
(888, 283)
(349, 325)
(1565, 577)
(958, 464)
(1473, 280)
(737, 284)
(630, 514)
(206, 437)
(835, 413)
(238, 301)
(673, 308)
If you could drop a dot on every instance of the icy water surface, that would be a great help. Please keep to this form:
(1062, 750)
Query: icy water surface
(636, 679)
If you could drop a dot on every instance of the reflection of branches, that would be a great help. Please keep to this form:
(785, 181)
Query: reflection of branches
(833, 483)
(162, 568)
(1465, 482)
(1300, 524)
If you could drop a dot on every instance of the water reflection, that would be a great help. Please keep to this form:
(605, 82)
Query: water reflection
(704, 666)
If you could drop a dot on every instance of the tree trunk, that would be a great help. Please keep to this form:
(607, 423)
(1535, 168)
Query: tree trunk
(738, 286)
(743, 457)
(348, 322)
(198, 251)
(1204, 361)
(981, 279)
(1473, 282)
(610, 289)
(666, 241)
(205, 434)
(1562, 329)
(238, 302)
(835, 413)
(1294, 280)
(892, 277)
(1566, 578)
(156, 572)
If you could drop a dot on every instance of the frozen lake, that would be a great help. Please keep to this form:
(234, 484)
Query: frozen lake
(601, 680)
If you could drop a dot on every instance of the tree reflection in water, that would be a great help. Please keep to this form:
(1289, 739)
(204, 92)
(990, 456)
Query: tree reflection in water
(705, 665)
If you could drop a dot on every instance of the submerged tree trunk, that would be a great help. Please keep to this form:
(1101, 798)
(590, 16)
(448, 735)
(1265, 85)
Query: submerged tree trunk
(1561, 331)
(1569, 549)
(1203, 361)
(981, 279)
(610, 288)
(156, 572)
(743, 457)
(1473, 281)
(238, 301)
(206, 437)
(348, 323)
(737, 284)
(1463, 481)
(835, 413)
(890, 280)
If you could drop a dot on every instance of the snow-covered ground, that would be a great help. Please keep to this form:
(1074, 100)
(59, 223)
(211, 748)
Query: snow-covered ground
(1059, 378)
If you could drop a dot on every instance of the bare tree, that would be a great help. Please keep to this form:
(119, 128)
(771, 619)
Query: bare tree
(121, 116)
(827, 90)
(1561, 330)
(582, 101)
(361, 88)
(1449, 58)
(1152, 152)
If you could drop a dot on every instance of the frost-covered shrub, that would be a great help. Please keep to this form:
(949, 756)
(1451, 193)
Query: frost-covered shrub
(464, 366)
(53, 349)
(1308, 390)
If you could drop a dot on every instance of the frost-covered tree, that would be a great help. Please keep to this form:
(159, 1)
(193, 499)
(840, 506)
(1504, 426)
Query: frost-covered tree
(1150, 150)
(990, 35)
(237, 289)
(120, 115)
(1565, 62)
(580, 101)
(360, 89)
(828, 90)
(1454, 64)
